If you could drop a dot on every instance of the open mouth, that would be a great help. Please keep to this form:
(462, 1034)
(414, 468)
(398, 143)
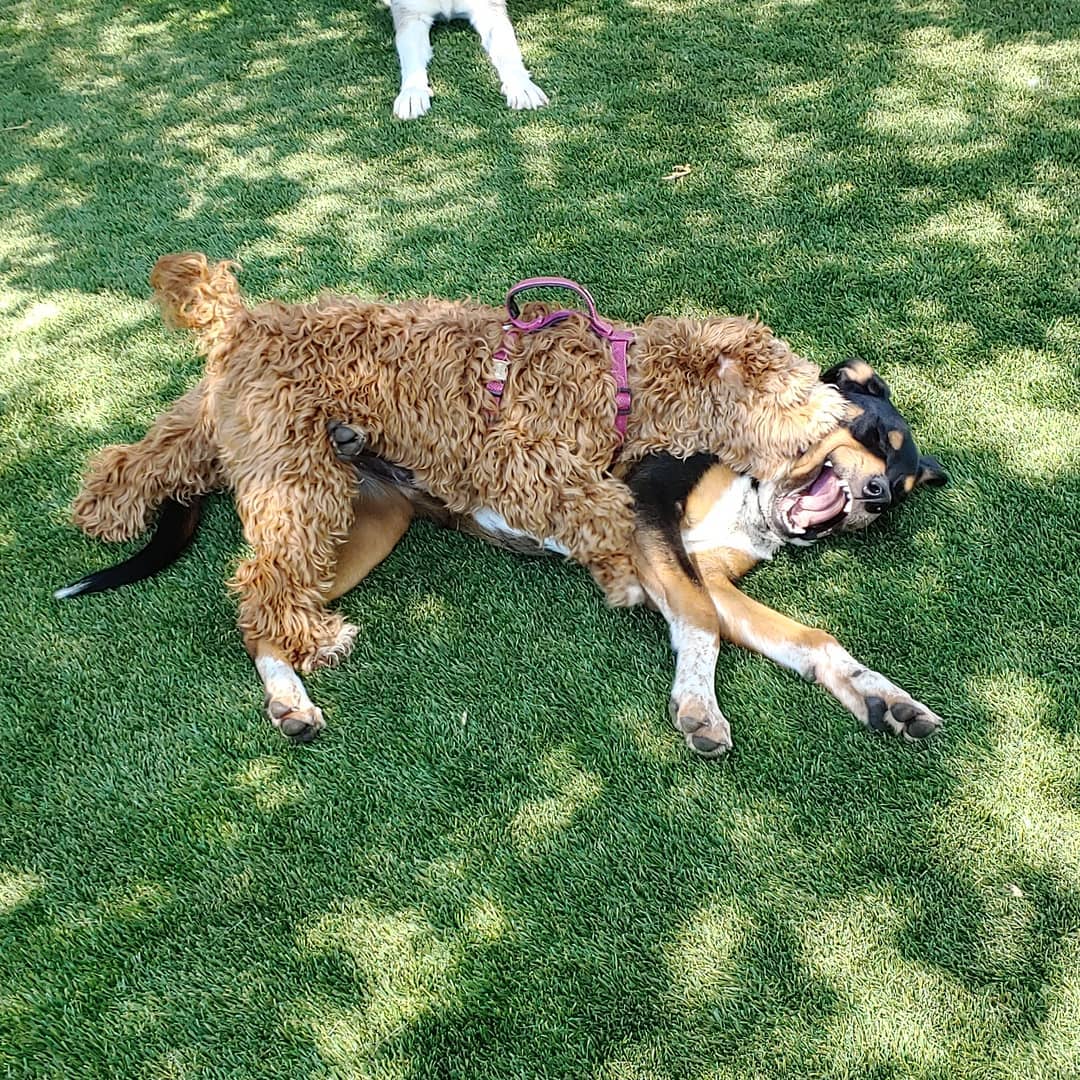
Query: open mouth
(822, 503)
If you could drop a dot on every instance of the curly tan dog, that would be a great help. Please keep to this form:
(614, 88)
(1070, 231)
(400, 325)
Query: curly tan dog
(412, 376)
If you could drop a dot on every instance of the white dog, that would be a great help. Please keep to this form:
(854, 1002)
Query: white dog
(412, 27)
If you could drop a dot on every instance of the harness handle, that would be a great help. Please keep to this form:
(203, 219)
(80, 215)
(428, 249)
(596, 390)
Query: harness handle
(619, 340)
(604, 329)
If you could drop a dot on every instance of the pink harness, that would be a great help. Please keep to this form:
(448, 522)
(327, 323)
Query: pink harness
(620, 341)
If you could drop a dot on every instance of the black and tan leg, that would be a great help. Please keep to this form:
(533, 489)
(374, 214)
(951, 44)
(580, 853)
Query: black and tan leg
(695, 640)
(381, 521)
(814, 654)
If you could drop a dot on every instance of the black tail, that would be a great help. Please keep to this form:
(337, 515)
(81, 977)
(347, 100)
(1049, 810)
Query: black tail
(172, 536)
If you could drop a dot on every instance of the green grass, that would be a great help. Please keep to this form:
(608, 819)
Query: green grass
(499, 861)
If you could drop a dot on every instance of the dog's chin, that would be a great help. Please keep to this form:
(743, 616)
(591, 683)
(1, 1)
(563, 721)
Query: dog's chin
(817, 508)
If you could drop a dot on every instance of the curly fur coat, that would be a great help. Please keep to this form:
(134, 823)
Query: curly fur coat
(412, 376)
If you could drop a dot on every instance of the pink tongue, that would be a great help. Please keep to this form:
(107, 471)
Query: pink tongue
(823, 500)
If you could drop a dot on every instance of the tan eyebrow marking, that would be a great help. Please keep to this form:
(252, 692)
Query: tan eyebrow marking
(861, 372)
(896, 439)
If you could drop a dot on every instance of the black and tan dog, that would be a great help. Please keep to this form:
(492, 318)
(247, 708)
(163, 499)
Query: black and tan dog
(699, 528)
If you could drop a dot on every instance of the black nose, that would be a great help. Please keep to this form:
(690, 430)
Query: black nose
(876, 494)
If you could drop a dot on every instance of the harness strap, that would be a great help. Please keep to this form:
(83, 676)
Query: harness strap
(620, 341)
(500, 362)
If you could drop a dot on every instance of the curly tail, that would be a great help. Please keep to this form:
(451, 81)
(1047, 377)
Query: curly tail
(197, 294)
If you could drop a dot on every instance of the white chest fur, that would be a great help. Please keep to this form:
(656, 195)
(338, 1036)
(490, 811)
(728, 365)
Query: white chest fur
(731, 521)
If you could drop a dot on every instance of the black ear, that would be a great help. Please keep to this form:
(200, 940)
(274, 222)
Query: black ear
(930, 472)
(857, 377)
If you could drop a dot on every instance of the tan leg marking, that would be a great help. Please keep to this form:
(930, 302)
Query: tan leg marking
(816, 656)
(695, 639)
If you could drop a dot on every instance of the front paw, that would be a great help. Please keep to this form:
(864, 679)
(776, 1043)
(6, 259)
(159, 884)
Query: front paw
(704, 727)
(412, 102)
(889, 710)
(524, 95)
(298, 722)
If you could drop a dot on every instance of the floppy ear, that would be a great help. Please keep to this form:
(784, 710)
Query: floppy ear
(857, 377)
(930, 472)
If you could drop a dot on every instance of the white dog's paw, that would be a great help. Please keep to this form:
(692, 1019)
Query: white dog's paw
(412, 102)
(524, 95)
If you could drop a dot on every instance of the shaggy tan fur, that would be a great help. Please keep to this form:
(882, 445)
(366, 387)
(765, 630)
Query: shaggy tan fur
(412, 376)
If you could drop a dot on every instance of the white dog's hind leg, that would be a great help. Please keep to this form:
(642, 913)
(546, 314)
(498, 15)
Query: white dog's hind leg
(497, 36)
(413, 40)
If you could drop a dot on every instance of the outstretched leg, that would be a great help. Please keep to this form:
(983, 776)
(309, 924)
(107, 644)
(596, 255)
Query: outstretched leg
(177, 458)
(695, 640)
(497, 36)
(382, 519)
(817, 656)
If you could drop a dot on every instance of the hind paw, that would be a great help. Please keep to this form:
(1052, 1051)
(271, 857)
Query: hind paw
(348, 442)
(615, 576)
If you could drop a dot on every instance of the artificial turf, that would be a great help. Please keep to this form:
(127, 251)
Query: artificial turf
(498, 860)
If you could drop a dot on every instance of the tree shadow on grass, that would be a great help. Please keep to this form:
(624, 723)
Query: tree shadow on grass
(499, 861)
(836, 180)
